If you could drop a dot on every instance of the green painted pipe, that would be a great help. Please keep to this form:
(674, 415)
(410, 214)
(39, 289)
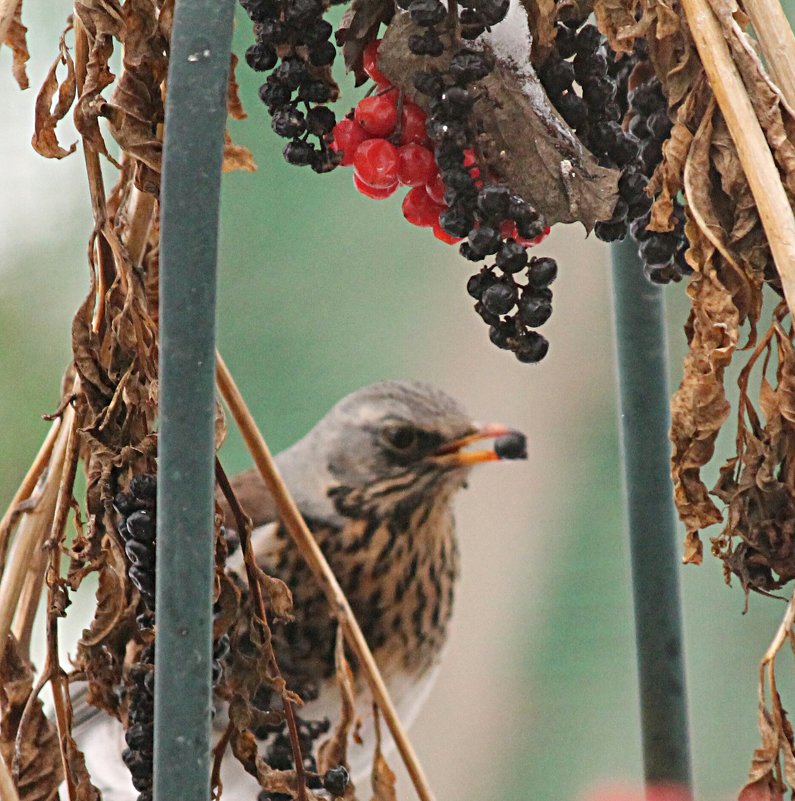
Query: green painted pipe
(644, 416)
(191, 184)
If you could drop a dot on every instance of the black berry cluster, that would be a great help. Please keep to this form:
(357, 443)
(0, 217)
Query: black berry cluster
(498, 294)
(495, 221)
(139, 736)
(137, 529)
(293, 45)
(663, 253)
(582, 58)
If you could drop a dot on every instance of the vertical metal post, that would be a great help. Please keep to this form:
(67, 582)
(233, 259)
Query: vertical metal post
(191, 183)
(644, 417)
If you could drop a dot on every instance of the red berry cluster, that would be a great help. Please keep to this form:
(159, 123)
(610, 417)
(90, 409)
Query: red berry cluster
(386, 142)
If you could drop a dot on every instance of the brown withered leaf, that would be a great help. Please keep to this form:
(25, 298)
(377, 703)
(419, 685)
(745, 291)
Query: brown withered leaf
(38, 762)
(699, 406)
(47, 117)
(618, 21)
(762, 785)
(112, 602)
(237, 157)
(103, 22)
(135, 108)
(16, 39)
(775, 117)
(541, 15)
(668, 178)
(359, 25)
(234, 106)
(382, 777)
(523, 140)
(280, 599)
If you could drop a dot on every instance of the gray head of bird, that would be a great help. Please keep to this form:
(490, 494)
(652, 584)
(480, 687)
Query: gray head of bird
(387, 443)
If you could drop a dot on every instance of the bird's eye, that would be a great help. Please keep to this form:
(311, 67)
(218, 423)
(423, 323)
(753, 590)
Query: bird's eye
(401, 437)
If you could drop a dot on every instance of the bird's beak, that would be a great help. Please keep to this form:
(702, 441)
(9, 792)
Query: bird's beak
(509, 444)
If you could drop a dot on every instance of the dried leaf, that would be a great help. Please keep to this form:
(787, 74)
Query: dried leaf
(38, 762)
(233, 105)
(523, 140)
(382, 777)
(280, 599)
(237, 157)
(135, 108)
(359, 25)
(103, 22)
(762, 784)
(45, 140)
(541, 15)
(16, 39)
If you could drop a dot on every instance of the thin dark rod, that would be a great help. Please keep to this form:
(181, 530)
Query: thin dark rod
(191, 184)
(644, 417)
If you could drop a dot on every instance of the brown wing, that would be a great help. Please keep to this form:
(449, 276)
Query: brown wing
(254, 497)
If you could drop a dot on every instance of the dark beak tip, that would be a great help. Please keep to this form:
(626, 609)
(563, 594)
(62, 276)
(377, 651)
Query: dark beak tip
(512, 445)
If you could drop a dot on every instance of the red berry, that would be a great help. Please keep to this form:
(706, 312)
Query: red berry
(469, 158)
(441, 234)
(412, 124)
(419, 209)
(377, 114)
(416, 165)
(435, 189)
(370, 63)
(375, 192)
(375, 162)
(347, 136)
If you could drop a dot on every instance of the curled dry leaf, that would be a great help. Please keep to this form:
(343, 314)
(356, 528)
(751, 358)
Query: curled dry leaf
(47, 117)
(237, 157)
(135, 108)
(523, 140)
(38, 762)
(382, 777)
(763, 783)
(359, 25)
(16, 39)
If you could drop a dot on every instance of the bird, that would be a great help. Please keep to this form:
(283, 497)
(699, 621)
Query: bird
(375, 479)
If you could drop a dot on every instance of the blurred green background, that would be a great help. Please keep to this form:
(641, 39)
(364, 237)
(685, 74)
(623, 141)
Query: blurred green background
(322, 291)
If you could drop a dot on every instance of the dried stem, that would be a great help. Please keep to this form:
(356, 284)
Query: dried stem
(140, 215)
(255, 586)
(32, 533)
(28, 604)
(764, 180)
(309, 549)
(7, 790)
(218, 754)
(58, 681)
(26, 488)
(7, 10)
(777, 41)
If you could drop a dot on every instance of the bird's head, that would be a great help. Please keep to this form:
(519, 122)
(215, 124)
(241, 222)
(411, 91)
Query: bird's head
(395, 440)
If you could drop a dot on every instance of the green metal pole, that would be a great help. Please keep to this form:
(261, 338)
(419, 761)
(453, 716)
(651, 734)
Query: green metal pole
(644, 415)
(191, 184)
